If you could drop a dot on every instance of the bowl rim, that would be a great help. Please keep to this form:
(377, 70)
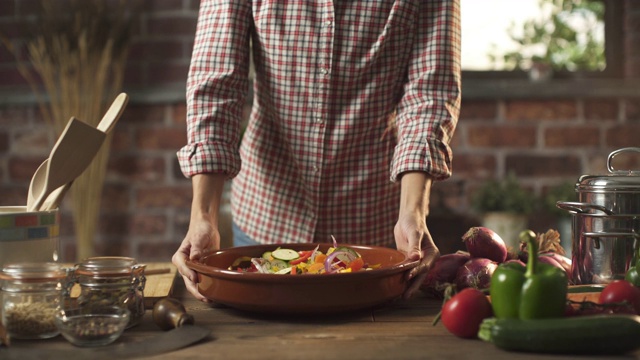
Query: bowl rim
(223, 273)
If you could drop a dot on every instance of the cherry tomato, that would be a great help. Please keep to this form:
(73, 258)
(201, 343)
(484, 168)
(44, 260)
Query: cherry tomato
(621, 290)
(463, 313)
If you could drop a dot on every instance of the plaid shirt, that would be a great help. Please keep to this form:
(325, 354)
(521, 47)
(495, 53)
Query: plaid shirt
(318, 157)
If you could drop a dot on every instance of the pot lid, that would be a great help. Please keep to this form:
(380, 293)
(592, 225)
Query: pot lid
(615, 181)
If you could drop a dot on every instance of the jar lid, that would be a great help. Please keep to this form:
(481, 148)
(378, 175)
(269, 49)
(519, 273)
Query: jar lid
(33, 271)
(107, 266)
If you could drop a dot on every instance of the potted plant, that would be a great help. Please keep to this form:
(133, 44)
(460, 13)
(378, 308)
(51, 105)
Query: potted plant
(504, 206)
(561, 192)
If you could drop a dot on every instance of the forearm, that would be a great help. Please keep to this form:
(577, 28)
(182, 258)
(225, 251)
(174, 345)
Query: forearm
(207, 195)
(415, 188)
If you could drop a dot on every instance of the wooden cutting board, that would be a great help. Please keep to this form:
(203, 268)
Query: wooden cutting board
(160, 278)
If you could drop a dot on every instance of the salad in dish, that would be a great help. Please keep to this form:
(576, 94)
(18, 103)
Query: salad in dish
(337, 259)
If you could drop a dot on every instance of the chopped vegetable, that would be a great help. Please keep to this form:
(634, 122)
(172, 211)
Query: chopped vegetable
(288, 261)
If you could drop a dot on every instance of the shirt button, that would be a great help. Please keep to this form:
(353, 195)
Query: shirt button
(328, 23)
(324, 71)
(315, 168)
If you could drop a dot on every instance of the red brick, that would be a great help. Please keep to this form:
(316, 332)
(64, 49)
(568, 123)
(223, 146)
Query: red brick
(622, 136)
(116, 246)
(178, 197)
(600, 109)
(15, 115)
(168, 73)
(156, 250)
(164, 5)
(143, 114)
(115, 197)
(22, 168)
(179, 114)
(517, 110)
(172, 25)
(157, 50)
(115, 224)
(478, 109)
(632, 110)
(121, 139)
(467, 165)
(570, 136)
(543, 166)
(13, 195)
(4, 141)
(136, 168)
(161, 138)
(146, 224)
(33, 141)
(501, 136)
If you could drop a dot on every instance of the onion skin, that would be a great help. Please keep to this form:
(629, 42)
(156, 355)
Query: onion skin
(550, 260)
(564, 261)
(475, 273)
(482, 242)
(443, 272)
(517, 261)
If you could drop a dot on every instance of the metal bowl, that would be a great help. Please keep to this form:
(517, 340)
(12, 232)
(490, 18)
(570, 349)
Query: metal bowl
(303, 294)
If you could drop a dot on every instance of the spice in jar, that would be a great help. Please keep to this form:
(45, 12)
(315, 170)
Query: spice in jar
(29, 320)
(31, 295)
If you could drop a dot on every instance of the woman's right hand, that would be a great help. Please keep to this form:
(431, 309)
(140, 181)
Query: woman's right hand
(202, 238)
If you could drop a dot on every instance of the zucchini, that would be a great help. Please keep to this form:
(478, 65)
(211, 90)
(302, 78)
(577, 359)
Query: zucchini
(285, 254)
(610, 334)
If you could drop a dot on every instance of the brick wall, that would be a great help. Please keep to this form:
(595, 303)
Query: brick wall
(544, 139)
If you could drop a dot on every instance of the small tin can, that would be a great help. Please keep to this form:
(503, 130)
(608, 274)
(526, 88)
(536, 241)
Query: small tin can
(112, 280)
(32, 293)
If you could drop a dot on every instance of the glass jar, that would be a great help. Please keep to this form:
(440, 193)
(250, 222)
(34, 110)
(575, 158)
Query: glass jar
(32, 293)
(112, 280)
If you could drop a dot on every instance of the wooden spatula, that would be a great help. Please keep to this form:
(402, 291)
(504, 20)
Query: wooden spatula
(105, 125)
(75, 149)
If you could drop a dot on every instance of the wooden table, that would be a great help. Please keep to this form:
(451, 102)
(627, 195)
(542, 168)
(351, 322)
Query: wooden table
(402, 330)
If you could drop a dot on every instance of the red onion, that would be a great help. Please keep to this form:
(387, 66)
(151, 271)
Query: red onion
(564, 261)
(545, 259)
(517, 261)
(328, 262)
(475, 273)
(443, 272)
(482, 242)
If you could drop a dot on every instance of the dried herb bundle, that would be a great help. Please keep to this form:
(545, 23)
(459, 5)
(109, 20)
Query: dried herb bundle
(78, 50)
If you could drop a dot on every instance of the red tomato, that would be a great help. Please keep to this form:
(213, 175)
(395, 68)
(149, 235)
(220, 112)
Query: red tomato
(463, 313)
(621, 290)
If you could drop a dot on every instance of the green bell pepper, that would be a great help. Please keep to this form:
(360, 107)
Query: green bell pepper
(535, 292)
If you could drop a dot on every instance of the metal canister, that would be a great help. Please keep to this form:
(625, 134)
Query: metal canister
(32, 293)
(112, 280)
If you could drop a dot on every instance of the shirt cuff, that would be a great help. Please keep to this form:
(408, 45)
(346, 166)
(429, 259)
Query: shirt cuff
(205, 158)
(430, 156)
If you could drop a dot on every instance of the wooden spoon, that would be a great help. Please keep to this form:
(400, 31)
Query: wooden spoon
(105, 125)
(76, 147)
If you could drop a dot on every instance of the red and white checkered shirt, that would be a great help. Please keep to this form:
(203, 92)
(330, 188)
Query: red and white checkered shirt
(317, 156)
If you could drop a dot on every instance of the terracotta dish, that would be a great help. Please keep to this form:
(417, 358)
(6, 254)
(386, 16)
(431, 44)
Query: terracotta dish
(297, 294)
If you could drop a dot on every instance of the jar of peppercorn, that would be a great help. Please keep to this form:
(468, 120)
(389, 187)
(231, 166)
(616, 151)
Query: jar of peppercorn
(32, 293)
(112, 281)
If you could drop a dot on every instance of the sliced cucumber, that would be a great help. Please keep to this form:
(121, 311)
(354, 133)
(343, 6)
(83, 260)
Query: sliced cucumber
(348, 254)
(276, 265)
(267, 255)
(284, 271)
(285, 254)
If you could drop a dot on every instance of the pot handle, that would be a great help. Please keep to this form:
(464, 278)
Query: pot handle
(581, 208)
(617, 152)
(597, 235)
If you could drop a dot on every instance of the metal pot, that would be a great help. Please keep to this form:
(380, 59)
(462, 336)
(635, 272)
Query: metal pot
(619, 192)
(603, 244)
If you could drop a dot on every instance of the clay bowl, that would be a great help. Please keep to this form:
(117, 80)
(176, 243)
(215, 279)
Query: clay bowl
(303, 294)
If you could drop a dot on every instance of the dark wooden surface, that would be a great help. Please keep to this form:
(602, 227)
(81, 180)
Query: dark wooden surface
(402, 330)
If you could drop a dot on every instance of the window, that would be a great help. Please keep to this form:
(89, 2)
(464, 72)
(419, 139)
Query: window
(487, 31)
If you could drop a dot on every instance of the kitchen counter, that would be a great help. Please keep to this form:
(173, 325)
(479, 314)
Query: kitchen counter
(402, 330)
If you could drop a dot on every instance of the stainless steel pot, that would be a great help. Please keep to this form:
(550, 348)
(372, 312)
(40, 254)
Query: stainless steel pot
(619, 191)
(603, 244)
